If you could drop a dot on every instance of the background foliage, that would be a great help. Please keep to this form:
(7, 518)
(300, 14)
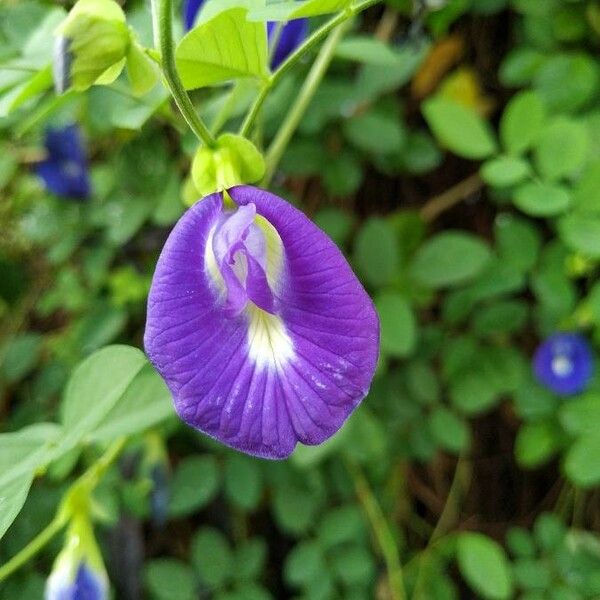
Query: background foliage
(452, 153)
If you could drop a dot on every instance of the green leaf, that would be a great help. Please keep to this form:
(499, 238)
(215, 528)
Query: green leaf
(522, 122)
(450, 431)
(195, 483)
(448, 259)
(353, 565)
(520, 66)
(23, 451)
(504, 171)
(341, 525)
(21, 454)
(169, 579)
(295, 508)
(542, 199)
(537, 443)
(561, 149)
(12, 498)
(586, 193)
(336, 223)
(473, 393)
(549, 532)
(398, 324)
(484, 565)
(518, 241)
(520, 542)
(32, 87)
(567, 82)
(234, 161)
(223, 48)
(504, 316)
(376, 252)
(368, 50)
(304, 564)
(459, 129)
(145, 403)
(532, 574)
(375, 132)
(95, 387)
(212, 557)
(20, 357)
(250, 558)
(582, 414)
(581, 232)
(243, 481)
(582, 461)
(286, 10)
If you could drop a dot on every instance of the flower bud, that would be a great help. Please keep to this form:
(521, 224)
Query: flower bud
(233, 161)
(78, 571)
(91, 45)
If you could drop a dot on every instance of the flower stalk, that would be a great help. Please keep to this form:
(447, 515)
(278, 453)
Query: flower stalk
(162, 19)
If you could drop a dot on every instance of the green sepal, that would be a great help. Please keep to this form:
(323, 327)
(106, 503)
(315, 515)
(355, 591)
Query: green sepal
(141, 70)
(99, 41)
(234, 161)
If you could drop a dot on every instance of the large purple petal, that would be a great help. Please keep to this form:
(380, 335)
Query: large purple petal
(261, 382)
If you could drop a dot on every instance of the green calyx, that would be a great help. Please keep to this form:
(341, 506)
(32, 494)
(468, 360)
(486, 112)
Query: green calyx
(233, 161)
(98, 42)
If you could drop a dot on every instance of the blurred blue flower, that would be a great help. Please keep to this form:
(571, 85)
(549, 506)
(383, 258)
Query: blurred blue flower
(288, 37)
(564, 363)
(159, 497)
(86, 585)
(65, 170)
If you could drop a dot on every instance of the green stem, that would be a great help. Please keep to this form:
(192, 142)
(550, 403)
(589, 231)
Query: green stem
(181, 97)
(295, 56)
(380, 527)
(38, 542)
(294, 116)
(246, 127)
(450, 512)
(88, 481)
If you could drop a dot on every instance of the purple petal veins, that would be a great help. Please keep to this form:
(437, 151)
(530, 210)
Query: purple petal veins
(255, 320)
(564, 363)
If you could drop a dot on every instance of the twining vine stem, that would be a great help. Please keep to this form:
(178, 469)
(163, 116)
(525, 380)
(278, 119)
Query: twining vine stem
(86, 484)
(295, 56)
(383, 534)
(307, 92)
(162, 19)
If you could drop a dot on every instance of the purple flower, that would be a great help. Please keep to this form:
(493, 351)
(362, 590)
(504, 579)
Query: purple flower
(261, 330)
(85, 585)
(289, 37)
(564, 363)
(65, 170)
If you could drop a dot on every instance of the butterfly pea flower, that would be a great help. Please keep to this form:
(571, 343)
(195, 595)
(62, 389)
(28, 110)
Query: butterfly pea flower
(64, 171)
(262, 332)
(78, 572)
(564, 363)
(91, 45)
(284, 40)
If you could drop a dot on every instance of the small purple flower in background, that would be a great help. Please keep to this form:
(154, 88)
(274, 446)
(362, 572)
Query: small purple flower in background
(84, 585)
(564, 363)
(288, 37)
(65, 169)
(78, 572)
(257, 323)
